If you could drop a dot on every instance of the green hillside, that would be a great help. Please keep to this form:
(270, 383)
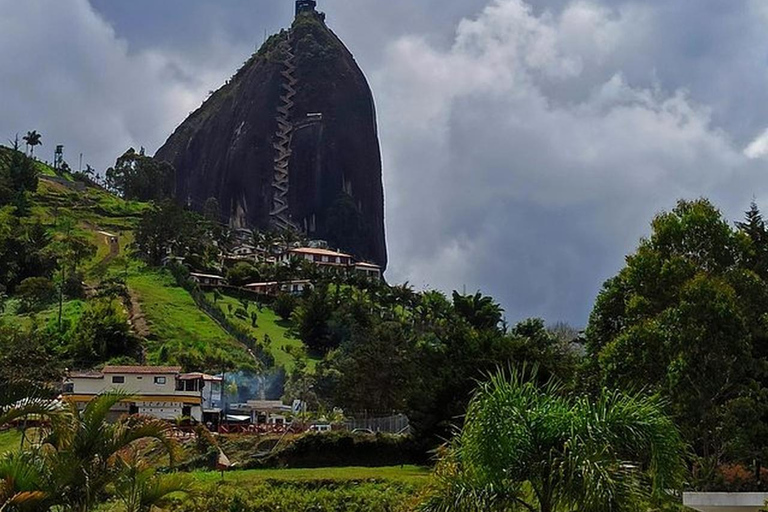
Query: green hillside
(170, 325)
(283, 345)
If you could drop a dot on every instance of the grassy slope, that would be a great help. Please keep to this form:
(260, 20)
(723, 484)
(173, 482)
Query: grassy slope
(268, 323)
(175, 319)
(71, 311)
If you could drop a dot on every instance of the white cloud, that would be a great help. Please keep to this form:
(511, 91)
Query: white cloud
(67, 75)
(758, 148)
(498, 181)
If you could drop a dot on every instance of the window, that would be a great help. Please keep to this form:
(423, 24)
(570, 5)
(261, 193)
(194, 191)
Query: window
(69, 387)
(160, 380)
(118, 379)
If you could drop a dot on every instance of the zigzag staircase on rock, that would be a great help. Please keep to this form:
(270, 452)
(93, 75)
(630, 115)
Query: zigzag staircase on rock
(280, 214)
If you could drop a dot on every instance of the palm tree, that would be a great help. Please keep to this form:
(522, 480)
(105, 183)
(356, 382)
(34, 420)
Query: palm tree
(479, 310)
(33, 139)
(82, 456)
(536, 449)
(141, 489)
(21, 481)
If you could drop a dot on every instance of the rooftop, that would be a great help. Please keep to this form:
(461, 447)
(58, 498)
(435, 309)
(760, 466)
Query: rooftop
(198, 375)
(319, 252)
(209, 276)
(367, 265)
(142, 370)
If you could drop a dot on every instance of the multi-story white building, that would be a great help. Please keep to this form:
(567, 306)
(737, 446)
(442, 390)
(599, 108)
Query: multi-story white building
(159, 391)
(321, 257)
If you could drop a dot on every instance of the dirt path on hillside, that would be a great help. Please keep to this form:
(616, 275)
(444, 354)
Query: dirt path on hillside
(137, 319)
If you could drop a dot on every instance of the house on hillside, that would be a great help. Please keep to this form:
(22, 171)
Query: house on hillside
(163, 392)
(207, 279)
(275, 288)
(321, 257)
(369, 270)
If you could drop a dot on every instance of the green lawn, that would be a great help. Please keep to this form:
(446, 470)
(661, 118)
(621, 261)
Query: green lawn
(405, 474)
(71, 311)
(9, 441)
(174, 319)
(268, 323)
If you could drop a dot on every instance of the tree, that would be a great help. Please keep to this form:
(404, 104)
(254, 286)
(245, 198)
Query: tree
(312, 322)
(384, 354)
(102, 333)
(82, 455)
(70, 249)
(35, 292)
(685, 318)
(136, 176)
(754, 228)
(284, 305)
(163, 230)
(479, 310)
(140, 488)
(33, 139)
(242, 273)
(537, 449)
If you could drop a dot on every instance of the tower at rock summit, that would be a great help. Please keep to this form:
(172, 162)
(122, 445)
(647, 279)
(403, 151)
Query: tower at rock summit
(290, 142)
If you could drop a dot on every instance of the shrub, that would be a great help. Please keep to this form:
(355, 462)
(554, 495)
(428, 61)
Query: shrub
(284, 305)
(317, 496)
(338, 449)
(35, 292)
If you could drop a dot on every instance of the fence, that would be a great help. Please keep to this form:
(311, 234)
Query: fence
(395, 424)
(213, 311)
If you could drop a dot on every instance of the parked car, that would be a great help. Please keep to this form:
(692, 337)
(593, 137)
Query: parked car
(320, 428)
(364, 431)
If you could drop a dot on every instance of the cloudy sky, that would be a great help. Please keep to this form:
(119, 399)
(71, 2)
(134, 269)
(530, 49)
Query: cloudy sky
(527, 143)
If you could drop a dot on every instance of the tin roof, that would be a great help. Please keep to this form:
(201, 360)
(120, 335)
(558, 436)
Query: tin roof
(142, 370)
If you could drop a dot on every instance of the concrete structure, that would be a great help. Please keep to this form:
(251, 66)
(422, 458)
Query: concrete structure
(275, 288)
(212, 395)
(321, 257)
(725, 501)
(268, 412)
(368, 270)
(159, 391)
(207, 279)
(305, 6)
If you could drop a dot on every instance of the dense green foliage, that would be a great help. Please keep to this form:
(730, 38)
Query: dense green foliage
(686, 318)
(136, 176)
(339, 449)
(390, 349)
(78, 457)
(525, 446)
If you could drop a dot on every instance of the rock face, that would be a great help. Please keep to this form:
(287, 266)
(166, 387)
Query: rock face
(295, 126)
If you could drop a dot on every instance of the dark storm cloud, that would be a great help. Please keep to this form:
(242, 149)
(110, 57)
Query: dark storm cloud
(526, 145)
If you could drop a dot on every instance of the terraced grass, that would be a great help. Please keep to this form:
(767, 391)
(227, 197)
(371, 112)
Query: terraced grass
(283, 346)
(176, 321)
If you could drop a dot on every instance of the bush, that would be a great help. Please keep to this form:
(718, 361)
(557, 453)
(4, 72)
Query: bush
(317, 496)
(242, 273)
(284, 305)
(35, 292)
(339, 449)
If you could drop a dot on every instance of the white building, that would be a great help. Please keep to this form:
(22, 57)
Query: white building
(275, 288)
(321, 257)
(207, 279)
(368, 270)
(159, 391)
